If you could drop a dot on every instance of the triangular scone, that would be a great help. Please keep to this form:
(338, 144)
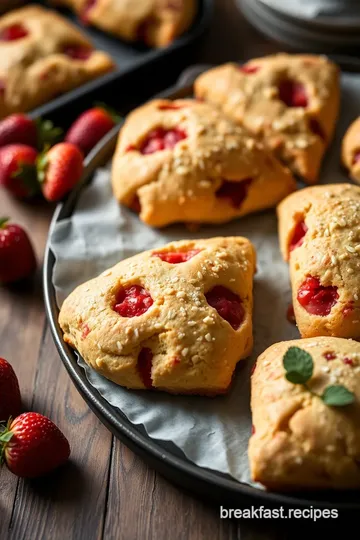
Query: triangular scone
(155, 22)
(289, 101)
(298, 441)
(319, 231)
(42, 56)
(177, 318)
(184, 161)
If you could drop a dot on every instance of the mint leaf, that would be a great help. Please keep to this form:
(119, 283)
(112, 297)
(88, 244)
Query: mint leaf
(337, 396)
(298, 364)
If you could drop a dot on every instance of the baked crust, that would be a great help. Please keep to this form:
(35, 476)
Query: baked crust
(37, 67)
(350, 151)
(195, 351)
(156, 22)
(258, 99)
(330, 252)
(298, 441)
(186, 183)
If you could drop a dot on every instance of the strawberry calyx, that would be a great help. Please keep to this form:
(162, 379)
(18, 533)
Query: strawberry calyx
(27, 174)
(5, 437)
(47, 133)
(3, 222)
(42, 163)
(109, 110)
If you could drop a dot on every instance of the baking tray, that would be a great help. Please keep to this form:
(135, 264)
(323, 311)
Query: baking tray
(145, 70)
(165, 457)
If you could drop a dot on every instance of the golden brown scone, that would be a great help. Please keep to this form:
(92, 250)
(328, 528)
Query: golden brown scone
(350, 151)
(298, 442)
(148, 322)
(183, 161)
(42, 56)
(319, 229)
(156, 22)
(289, 101)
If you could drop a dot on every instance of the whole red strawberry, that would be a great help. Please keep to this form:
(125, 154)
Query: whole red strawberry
(21, 129)
(90, 127)
(18, 170)
(60, 169)
(10, 398)
(18, 128)
(32, 445)
(17, 257)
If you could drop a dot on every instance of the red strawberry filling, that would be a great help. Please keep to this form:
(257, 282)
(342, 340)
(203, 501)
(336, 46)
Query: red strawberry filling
(144, 366)
(162, 139)
(13, 32)
(348, 361)
(84, 15)
(249, 69)
(132, 301)
(293, 93)
(227, 304)
(317, 129)
(176, 257)
(290, 314)
(329, 355)
(356, 157)
(315, 298)
(2, 88)
(77, 52)
(297, 239)
(234, 192)
(253, 430)
(85, 331)
(170, 107)
(135, 205)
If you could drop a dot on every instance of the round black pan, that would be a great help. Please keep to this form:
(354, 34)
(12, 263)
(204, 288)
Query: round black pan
(168, 461)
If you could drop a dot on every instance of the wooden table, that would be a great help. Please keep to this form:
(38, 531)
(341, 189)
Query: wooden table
(105, 491)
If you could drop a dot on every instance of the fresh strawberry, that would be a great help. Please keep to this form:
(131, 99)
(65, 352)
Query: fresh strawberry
(90, 127)
(18, 128)
(21, 129)
(10, 398)
(60, 169)
(18, 170)
(17, 257)
(32, 445)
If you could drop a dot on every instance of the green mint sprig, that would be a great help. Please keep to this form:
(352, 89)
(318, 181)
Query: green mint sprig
(299, 368)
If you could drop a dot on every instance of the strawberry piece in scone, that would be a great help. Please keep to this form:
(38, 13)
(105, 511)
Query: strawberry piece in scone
(319, 229)
(176, 319)
(184, 161)
(42, 55)
(290, 102)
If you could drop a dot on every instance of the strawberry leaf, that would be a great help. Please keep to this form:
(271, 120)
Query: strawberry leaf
(338, 396)
(48, 134)
(27, 174)
(3, 222)
(111, 112)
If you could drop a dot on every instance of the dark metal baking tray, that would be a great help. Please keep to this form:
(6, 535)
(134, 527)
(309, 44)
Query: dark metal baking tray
(165, 457)
(144, 70)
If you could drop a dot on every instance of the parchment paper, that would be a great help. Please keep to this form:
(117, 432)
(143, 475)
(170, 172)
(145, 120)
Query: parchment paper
(212, 433)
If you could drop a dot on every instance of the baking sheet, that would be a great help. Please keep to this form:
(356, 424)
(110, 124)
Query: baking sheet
(213, 433)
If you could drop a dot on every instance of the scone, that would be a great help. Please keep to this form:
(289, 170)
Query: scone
(42, 56)
(289, 101)
(319, 229)
(183, 161)
(176, 319)
(350, 151)
(298, 441)
(156, 22)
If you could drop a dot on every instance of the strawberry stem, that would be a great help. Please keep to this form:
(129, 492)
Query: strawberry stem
(3, 222)
(111, 112)
(47, 133)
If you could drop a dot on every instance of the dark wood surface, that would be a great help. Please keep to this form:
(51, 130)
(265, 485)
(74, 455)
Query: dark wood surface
(105, 491)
